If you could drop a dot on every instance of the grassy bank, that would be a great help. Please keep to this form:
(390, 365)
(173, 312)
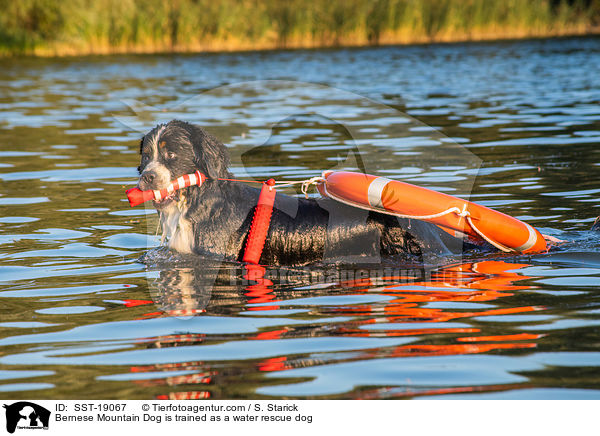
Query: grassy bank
(68, 27)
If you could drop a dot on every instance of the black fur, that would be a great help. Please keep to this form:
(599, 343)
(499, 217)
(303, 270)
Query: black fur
(302, 230)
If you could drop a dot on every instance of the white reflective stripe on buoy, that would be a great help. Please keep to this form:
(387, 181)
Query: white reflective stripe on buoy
(375, 190)
(530, 242)
(157, 195)
(192, 178)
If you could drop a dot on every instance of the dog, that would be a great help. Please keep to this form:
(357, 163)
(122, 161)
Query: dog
(214, 219)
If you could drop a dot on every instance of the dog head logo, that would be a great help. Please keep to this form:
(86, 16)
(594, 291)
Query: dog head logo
(24, 414)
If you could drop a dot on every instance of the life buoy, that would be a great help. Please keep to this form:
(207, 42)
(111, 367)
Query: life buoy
(447, 212)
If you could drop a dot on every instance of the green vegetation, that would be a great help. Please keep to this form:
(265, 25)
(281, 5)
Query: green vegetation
(64, 27)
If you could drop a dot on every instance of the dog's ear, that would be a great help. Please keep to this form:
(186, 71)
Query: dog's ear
(210, 155)
(139, 168)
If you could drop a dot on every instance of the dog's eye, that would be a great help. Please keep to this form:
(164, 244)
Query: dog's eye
(171, 155)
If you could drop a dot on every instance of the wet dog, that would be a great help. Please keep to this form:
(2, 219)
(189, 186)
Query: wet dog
(214, 219)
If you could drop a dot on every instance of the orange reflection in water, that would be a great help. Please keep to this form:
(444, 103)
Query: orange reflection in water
(262, 289)
(470, 283)
(486, 281)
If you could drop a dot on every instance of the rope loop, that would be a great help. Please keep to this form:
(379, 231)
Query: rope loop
(467, 216)
(306, 184)
(498, 245)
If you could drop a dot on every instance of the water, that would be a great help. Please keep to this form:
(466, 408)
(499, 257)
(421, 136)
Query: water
(91, 307)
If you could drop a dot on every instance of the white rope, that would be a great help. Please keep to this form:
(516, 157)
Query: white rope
(306, 184)
(312, 181)
(465, 214)
(455, 210)
(498, 245)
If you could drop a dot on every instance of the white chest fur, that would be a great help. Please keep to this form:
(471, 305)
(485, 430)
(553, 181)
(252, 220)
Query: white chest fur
(176, 229)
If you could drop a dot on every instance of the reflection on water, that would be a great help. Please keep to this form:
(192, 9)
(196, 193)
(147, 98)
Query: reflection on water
(91, 308)
(441, 313)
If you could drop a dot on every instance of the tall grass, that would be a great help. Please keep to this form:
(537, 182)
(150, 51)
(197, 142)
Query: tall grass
(47, 27)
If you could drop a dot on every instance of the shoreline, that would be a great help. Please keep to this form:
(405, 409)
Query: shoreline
(66, 51)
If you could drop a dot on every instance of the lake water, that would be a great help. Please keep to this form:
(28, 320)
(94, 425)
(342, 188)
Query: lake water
(92, 307)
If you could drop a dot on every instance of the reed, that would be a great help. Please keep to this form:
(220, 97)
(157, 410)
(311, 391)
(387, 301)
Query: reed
(70, 27)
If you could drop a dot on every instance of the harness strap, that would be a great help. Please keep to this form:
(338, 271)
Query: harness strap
(260, 223)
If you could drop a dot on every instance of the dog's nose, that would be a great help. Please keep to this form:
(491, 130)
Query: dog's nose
(146, 180)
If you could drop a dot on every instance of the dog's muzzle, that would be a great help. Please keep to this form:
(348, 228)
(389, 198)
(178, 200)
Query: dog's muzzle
(148, 180)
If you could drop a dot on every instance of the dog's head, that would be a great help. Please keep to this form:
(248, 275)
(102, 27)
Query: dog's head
(171, 150)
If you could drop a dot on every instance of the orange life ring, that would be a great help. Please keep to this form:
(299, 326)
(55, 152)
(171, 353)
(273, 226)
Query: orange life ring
(458, 217)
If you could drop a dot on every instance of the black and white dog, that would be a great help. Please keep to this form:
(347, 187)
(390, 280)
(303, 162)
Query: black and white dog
(214, 219)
